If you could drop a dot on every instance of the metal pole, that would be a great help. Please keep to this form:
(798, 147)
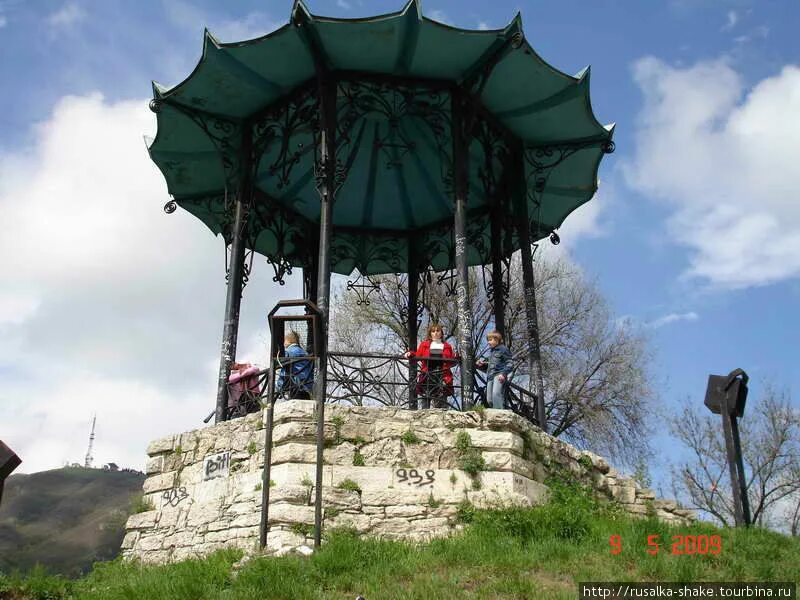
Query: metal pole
(411, 325)
(460, 166)
(233, 298)
(535, 379)
(326, 186)
(267, 455)
(737, 447)
(498, 290)
(735, 466)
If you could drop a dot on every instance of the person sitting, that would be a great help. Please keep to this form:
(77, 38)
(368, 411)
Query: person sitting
(498, 369)
(298, 383)
(435, 381)
(244, 389)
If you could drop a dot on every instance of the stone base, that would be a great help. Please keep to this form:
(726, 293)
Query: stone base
(387, 472)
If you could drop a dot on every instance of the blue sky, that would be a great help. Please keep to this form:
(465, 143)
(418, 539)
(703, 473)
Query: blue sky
(694, 234)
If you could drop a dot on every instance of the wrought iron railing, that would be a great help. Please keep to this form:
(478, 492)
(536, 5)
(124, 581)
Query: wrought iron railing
(372, 379)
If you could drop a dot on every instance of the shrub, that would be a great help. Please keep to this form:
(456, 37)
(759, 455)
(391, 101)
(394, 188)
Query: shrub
(470, 459)
(303, 529)
(141, 504)
(350, 485)
(409, 437)
(465, 512)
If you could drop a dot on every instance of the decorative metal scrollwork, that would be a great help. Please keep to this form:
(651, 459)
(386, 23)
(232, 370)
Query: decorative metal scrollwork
(155, 105)
(517, 40)
(281, 126)
(281, 266)
(609, 147)
(450, 282)
(363, 288)
(397, 104)
(170, 207)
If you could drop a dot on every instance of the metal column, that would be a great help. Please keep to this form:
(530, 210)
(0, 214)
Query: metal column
(326, 185)
(535, 379)
(412, 332)
(233, 298)
(498, 288)
(460, 158)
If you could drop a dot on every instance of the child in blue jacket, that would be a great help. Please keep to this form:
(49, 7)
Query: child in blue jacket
(498, 368)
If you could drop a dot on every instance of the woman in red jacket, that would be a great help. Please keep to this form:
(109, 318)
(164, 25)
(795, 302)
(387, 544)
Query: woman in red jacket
(435, 382)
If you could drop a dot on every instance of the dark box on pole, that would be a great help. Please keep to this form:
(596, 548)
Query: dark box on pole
(715, 395)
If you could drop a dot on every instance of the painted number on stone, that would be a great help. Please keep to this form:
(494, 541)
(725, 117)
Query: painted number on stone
(216, 465)
(414, 478)
(175, 495)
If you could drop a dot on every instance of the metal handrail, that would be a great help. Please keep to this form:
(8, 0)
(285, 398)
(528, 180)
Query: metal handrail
(386, 381)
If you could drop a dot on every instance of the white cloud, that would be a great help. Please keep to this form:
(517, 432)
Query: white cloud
(67, 15)
(483, 25)
(108, 304)
(584, 222)
(343, 4)
(731, 19)
(723, 159)
(3, 21)
(672, 318)
(760, 32)
(192, 18)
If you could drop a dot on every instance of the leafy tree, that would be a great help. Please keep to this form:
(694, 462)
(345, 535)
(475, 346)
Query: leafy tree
(595, 367)
(770, 438)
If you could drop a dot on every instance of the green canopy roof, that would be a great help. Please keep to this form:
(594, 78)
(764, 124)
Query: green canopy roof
(395, 75)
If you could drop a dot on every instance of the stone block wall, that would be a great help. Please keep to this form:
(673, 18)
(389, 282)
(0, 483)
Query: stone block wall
(387, 472)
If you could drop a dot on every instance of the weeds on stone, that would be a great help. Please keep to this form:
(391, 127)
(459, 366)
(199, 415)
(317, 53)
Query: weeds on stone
(453, 478)
(349, 485)
(409, 437)
(306, 481)
(433, 502)
(585, 462)
(332, 513)
(337, 421)
(141, 504)
(358, 459)
(258, 487)
(470, 459)
(303, 529)
(252, 448)
(465, 512)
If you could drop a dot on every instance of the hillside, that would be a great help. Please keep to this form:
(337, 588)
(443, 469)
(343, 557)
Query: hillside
(64, 519)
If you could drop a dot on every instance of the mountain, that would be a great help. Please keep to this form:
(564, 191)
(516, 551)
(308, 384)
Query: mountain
(65, 519)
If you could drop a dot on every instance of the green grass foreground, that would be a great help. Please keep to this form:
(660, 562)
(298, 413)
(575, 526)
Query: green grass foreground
(541, 552)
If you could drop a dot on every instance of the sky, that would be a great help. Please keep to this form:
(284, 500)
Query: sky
(108, 306)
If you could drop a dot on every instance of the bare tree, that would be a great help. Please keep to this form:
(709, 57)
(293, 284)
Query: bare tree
(770, 436)
(595, 367)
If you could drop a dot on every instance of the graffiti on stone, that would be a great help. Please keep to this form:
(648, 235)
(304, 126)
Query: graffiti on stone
(174, 496)
(216, 465)
(413, 477)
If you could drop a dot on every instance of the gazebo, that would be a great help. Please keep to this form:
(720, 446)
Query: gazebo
(389, 144)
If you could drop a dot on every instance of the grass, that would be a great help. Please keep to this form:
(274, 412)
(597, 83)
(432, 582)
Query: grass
(358, 459)
(470, 459)
(410, 437)
(349, 485)
(508, 553)
(141, 504)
